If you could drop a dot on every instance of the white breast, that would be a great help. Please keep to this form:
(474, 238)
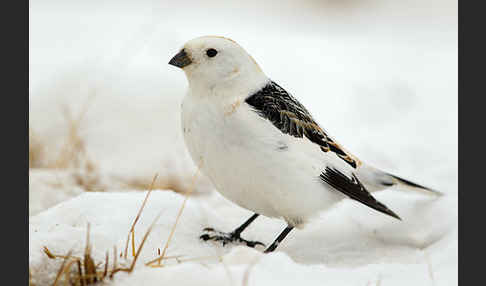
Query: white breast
(252, 163)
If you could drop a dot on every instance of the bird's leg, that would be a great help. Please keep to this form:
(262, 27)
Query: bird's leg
(234, 236)
(279, 239)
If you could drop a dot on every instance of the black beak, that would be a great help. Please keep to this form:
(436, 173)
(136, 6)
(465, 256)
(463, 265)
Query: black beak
(180, 60)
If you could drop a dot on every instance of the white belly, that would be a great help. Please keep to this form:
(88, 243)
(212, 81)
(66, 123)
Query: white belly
(253, 164)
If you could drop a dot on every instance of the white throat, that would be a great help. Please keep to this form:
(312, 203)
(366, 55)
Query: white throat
(240, 81)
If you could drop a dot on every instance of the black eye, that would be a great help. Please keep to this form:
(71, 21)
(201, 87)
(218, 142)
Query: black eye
(211, 53)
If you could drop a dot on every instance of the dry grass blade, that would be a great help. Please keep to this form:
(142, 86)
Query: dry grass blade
(61, 269)
(107, 260)
(74, 148)
(49, 253)
(36, 150)
(176, 257)
(87, 277)
(72, 154)
(132, 228)
(80, 271)
(30, 278)
(172, 231)
(169, 182)
(89, 265)
(115, 264)
(67, 271)
(132, 265)
(133, 243)
(201, 258)
(54, 256)
(87, 270)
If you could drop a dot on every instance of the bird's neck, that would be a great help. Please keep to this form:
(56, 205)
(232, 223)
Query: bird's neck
(238, 85)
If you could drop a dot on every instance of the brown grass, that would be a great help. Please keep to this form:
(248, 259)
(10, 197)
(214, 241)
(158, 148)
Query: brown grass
(30, 278)
(71, 155)
(74, 155)
(159, 259)
(164, 183)
(36, 150)
(78, 271)
(84, 271)
(132, 228)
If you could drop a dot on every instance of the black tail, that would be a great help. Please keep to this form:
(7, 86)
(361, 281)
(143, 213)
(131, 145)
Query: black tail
(414, 186)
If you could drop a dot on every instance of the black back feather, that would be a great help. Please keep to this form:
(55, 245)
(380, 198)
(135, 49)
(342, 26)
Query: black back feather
(274, 103)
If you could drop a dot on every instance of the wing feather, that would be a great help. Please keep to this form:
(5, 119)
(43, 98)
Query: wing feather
(286, 113)
(353, 188)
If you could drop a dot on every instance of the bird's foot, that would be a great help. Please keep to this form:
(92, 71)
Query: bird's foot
(227, 238)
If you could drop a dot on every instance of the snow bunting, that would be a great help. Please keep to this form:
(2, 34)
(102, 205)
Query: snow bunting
(261, 148)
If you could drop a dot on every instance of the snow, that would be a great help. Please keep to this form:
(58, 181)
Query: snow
(379, 76)
(48, 188)
(373, 247)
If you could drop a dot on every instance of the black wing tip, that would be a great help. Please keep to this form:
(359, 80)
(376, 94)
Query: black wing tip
(354, 189)
(415, 185)
(396, 216)
(389, 212)
(382, 208)
(409, 183)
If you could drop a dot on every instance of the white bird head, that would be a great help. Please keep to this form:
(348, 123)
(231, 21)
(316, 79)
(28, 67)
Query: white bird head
(213, 62)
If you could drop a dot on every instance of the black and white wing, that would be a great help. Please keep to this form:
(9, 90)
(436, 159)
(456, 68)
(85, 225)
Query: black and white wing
(275, 104)
(289, 116)
(353, 188)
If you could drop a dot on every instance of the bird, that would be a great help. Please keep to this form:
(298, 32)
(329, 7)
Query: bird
(262, 149)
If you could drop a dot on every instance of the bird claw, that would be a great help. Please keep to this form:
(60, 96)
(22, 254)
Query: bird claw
(227, 238)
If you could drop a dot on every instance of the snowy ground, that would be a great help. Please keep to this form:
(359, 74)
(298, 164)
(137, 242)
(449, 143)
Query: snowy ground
(349, 246)
(379, 77)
